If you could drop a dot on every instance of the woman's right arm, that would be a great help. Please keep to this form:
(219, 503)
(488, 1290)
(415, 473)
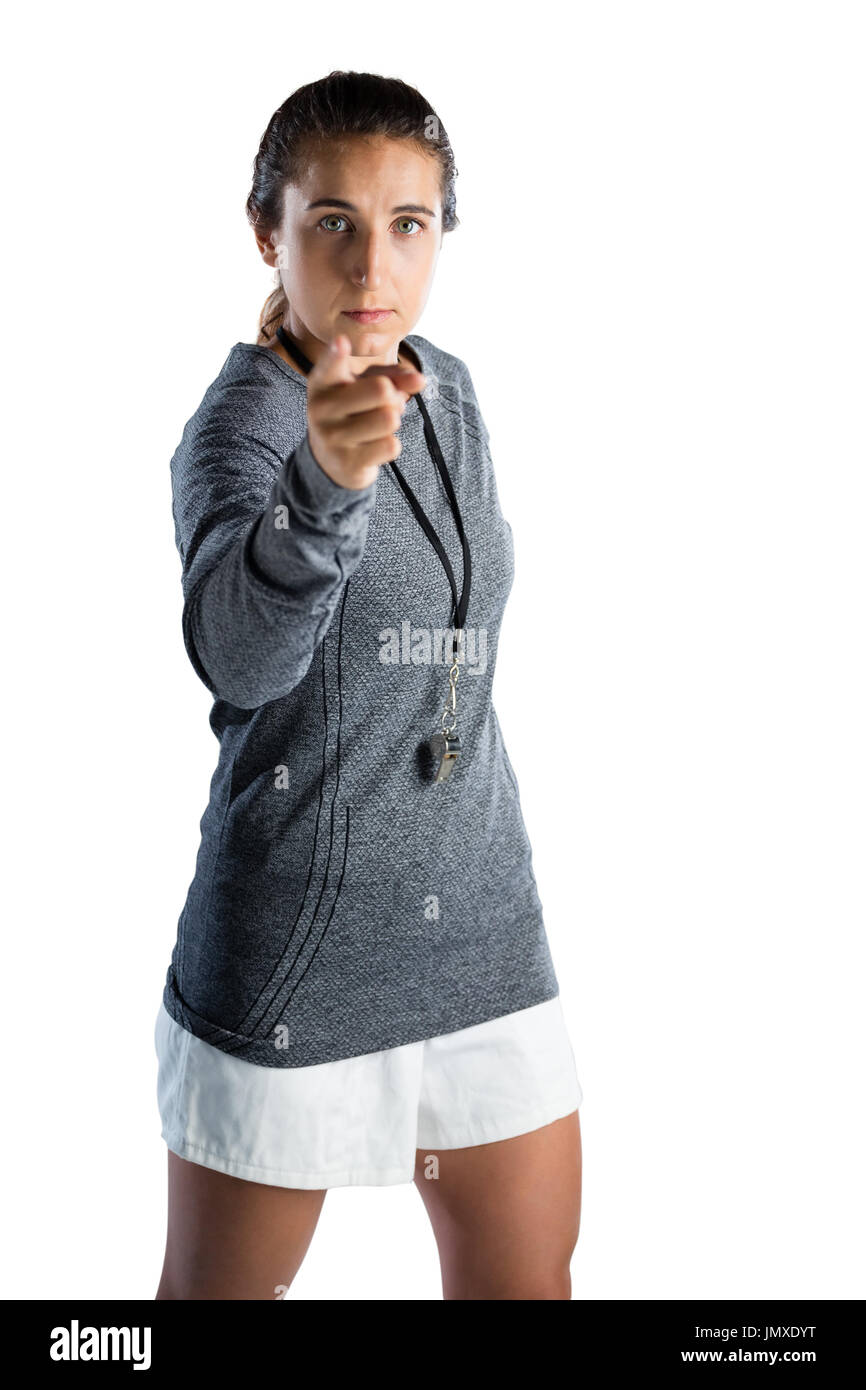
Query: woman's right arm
(266, 546)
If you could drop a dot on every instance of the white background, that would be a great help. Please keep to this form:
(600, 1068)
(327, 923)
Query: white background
(658, 286)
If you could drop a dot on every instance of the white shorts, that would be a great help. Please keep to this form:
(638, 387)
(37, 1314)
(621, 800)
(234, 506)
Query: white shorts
(359, 1121)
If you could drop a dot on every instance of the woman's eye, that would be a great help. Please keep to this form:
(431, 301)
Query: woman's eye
(401, 222)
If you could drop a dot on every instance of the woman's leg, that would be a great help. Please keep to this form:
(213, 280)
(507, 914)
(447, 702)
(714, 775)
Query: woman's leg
(229, 1238)
(506, 1215)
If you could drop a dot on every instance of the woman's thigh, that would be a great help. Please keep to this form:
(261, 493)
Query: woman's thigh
(506, 1215)
(230, 1238)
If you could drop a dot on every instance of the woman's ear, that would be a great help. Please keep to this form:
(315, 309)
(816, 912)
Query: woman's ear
(267, 250)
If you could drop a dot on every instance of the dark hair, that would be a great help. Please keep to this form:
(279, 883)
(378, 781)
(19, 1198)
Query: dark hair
(341, 104)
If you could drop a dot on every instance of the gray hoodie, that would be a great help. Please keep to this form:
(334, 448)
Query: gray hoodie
(343, 902)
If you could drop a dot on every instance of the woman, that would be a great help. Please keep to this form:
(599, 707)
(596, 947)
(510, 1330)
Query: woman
(361, 991)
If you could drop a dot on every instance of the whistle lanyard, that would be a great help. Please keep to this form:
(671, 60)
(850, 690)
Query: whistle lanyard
(445, 744)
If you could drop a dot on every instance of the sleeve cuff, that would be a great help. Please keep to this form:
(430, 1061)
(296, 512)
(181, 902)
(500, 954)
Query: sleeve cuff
(321, 493)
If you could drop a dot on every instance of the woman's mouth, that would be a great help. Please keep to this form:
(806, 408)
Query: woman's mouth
(367, 315)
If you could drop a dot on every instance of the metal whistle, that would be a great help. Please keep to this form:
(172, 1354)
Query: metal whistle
(445, 747)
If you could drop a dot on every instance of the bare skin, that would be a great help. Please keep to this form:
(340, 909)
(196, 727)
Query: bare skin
(372, 254)
(506, 1218)
(360, 229)
(352, 420)
(232, 1239)
(274, 344)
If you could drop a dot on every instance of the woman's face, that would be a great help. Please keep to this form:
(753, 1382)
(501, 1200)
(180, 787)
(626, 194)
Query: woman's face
(362, 229)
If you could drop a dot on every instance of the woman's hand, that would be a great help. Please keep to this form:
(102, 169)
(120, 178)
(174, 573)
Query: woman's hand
(352, 420)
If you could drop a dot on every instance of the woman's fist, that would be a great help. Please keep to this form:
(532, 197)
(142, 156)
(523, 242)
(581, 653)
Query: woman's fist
(352, 420)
